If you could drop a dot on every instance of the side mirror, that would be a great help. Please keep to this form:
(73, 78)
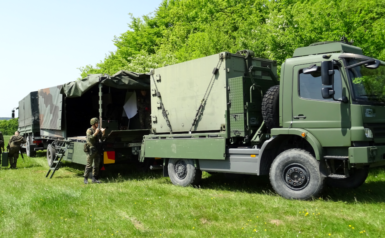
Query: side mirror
(13, 114)
(327, 93)
(327, 72)
(373, 65)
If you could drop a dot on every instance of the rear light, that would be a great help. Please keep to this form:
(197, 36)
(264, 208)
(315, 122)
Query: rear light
(37, 141)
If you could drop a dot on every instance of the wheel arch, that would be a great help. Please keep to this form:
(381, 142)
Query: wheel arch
(270, 148)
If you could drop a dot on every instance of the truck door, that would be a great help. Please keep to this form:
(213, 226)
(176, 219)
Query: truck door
(328, 120)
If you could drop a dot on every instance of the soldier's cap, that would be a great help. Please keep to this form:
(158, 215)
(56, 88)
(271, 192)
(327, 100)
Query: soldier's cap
(94, 120)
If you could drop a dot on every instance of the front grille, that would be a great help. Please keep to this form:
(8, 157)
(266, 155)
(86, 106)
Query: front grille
(378, 129)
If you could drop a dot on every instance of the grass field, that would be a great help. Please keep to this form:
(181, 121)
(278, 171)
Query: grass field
(135, 204)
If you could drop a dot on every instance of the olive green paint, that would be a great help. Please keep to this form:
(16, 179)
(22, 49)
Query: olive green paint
(191, 148)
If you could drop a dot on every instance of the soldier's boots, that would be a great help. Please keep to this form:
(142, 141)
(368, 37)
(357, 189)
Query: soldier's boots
(95, 180)
(85, 180)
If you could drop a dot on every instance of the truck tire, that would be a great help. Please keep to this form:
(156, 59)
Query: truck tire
(51, 152)
(295, 174)
(270, 107)
(30, 148)
(182, 172)
(357, 178)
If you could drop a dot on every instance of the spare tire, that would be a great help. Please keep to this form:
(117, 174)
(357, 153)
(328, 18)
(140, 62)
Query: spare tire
(270, 107)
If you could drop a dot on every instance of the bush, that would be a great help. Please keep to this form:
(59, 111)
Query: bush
(8, 127)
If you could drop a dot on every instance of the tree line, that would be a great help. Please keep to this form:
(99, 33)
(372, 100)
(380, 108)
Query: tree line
(181, 30)
(8, 127)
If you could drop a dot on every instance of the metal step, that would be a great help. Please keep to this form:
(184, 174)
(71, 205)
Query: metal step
(338, 157)
(337, 176)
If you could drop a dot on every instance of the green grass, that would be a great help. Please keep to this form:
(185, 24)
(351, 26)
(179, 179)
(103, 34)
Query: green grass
(135, 204)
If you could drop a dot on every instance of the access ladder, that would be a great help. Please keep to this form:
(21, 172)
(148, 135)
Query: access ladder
(61, 145)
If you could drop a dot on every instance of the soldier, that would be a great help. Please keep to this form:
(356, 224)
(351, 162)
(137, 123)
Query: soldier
(1, 143)
(144, 109)
(93, 137)
(14, 148)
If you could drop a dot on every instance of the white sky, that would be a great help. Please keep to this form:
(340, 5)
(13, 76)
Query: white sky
(43, 42)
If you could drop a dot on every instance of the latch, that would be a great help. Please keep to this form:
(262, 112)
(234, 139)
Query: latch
(154, 119)
(159, 105)
(158, 77)
(155, 93)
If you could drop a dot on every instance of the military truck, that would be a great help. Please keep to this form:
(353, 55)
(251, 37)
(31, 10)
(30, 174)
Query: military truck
(29, 126)
(57, 118)
(322, 123)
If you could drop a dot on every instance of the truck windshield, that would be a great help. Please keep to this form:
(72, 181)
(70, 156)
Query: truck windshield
(368, 84)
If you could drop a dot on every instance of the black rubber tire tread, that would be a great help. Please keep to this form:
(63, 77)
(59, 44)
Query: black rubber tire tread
(51, 149)
(356, 179)
(193, 176)
(306, 160)
(270, 107)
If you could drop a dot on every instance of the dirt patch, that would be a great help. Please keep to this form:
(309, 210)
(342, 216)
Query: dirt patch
(276, 222)
(289, 218)
(138, 225)
(40, 171)
(204, 221)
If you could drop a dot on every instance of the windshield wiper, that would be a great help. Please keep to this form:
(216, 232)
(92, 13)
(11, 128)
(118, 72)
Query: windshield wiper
(360, 63)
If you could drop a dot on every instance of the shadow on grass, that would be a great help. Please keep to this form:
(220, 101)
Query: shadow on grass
(370, 192)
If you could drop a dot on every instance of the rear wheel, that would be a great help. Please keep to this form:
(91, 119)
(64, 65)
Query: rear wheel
(357, 178)
(51, 152)
(295, 174)
(183, 173)
(29, 147)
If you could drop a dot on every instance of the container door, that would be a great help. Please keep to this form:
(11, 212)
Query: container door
(328, 120)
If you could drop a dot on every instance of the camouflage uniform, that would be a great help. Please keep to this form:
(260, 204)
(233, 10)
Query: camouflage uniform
(93, 154)
(144, 110)
(14, 148)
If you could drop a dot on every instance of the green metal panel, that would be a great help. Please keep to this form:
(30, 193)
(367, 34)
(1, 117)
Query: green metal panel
(237, 125)
(201, 148)
(75, 153)
(335, 47)
(236, 95)
(181, 88)
(371, 154)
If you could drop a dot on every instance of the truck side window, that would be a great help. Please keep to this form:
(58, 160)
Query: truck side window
(310, 85)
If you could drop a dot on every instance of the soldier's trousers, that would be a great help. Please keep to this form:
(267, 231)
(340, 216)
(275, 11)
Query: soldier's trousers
(95, 157)
(12, 157)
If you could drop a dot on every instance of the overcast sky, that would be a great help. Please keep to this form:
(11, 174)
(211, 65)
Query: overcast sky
(44, 42)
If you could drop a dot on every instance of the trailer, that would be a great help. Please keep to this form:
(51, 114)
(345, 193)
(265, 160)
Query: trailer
(61, 115)
(29, 125)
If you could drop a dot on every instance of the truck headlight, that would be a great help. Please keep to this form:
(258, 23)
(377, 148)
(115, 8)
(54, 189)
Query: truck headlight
(368, 133)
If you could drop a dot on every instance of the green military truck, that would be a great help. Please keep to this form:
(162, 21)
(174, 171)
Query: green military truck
(56, 118)
(29, 126)
(322, 123)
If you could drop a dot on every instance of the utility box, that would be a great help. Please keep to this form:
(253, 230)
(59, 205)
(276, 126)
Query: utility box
(224, 81)
(4, 159)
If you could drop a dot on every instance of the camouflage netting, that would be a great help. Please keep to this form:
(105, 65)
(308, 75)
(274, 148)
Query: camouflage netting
(121, 80)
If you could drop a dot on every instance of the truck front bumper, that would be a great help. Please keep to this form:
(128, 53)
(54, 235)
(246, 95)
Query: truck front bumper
(374, 155)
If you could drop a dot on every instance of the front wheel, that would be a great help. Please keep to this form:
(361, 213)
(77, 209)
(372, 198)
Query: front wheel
(183, 173)
(295, 174)
(357, 178)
